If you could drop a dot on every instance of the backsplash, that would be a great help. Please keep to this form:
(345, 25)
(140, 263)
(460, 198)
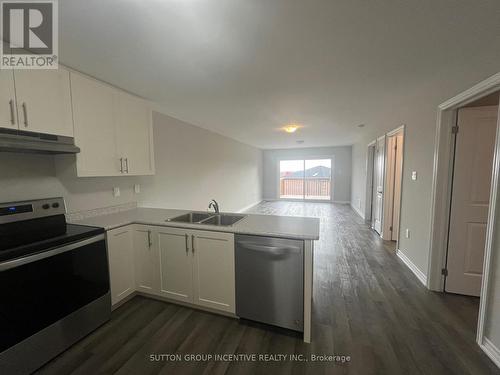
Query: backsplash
(80, 215)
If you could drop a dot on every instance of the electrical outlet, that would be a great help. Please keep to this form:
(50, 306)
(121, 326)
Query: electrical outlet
(137, 188)
(116, 192)
(407, 233)
(414, 175)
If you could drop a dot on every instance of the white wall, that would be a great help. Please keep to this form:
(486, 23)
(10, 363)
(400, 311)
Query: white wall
(31, 176)
(418, 110)
(194, 165)
(341, 169)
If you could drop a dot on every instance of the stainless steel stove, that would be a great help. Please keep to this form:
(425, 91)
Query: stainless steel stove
(54, 283)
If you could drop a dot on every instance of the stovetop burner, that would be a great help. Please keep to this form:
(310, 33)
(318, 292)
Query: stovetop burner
(35, 226)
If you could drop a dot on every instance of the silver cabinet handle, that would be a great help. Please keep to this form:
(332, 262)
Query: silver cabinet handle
(187, 249)
(150, 241)
(121, 165)
(25, 114)
(126, 165)
(192, 243)
(12, 117)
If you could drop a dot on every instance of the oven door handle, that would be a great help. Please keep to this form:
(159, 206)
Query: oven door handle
(59, 250)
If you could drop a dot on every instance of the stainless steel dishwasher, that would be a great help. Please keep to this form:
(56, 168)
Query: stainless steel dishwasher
(270, 280)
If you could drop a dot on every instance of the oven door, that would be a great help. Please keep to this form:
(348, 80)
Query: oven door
(38, 290)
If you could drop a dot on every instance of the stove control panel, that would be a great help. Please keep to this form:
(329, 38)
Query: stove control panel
(26, 210)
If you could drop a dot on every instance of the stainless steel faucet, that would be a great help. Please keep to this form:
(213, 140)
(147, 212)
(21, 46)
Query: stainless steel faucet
(213, 204)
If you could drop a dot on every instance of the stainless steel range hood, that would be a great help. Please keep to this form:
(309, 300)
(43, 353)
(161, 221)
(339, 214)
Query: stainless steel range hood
(31, 142)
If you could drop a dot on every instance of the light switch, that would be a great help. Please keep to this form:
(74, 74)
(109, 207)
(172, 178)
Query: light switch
(137, 188)
(414, 175)
(407, 234)
(116, 192)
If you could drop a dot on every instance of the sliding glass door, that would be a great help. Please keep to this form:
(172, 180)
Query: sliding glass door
(306, 179)
(318, 177)
(292, 179)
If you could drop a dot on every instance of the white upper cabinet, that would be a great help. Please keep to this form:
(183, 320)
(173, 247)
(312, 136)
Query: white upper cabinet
(8, 112)
(134, 134)
(94, 127)
(44, 101)
(112, 128)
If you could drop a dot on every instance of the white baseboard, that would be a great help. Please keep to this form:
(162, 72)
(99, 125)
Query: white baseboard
(491, 351)
(250, 206)
(342, 202)
(420, 275)
(357, 211)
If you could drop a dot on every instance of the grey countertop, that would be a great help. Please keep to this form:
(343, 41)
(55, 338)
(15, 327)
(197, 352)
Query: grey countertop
(302, 228)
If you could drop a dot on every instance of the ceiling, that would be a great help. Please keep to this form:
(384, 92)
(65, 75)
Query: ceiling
(244, 68)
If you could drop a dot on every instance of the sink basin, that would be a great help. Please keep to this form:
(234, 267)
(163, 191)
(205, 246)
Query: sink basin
(191, 217)
(223, 219)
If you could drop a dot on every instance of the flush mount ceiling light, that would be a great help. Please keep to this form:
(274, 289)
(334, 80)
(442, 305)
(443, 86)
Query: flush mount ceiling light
(292, 128)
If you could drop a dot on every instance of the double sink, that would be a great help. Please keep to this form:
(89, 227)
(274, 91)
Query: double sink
(208, 218)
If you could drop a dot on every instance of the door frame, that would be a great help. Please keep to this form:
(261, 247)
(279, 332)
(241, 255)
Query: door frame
(382, 213)
(441, 193)
(399, 130)
(332, 169)
(370, 160)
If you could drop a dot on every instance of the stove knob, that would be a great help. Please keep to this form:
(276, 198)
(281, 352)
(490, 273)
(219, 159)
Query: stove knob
(46, 206)
(55, 205)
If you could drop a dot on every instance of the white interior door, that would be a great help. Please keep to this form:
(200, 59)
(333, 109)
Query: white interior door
(378, 184)
(470, 198)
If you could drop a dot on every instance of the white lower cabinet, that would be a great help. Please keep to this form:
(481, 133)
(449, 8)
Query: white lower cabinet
(147, 273)
(176, 264)
(190, 266)
(213, 270)
(121, 262)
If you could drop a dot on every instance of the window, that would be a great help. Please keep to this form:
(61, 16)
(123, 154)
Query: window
(306, 179)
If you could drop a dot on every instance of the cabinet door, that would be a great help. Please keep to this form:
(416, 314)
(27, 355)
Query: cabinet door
(147, 272)
(134, 133)
(44, 101)
(121, 263)
(94, 127)
(176, 264)
(214, 277)
(8, 112)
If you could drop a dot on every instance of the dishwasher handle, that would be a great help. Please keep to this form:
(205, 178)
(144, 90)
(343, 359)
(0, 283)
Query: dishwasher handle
(275, 250)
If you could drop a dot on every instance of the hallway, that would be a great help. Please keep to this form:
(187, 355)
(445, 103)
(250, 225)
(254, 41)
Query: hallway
(385, 315)
(367, 305)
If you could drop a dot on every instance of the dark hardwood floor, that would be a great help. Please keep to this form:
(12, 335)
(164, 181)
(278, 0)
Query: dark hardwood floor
(367, 305)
